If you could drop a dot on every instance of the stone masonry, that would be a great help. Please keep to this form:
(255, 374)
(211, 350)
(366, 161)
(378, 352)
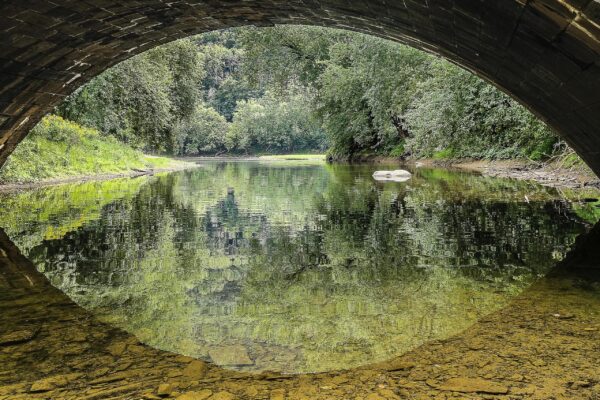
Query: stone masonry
(545, 53)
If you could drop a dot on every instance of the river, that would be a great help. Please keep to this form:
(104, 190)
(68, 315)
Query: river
(290, 266)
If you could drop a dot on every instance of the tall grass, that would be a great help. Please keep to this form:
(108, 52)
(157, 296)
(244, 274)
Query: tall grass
(57, 148)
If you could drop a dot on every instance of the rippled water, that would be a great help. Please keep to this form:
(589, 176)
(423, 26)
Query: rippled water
(292, 267)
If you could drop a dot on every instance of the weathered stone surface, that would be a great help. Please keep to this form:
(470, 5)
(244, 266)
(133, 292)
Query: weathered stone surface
(164, 390)
(277, 394)
(230, 355)
(222, 396)
(546, 53)
(53, 382)
(473, 385)
(199, 395)
(20, 336)
(195, 370)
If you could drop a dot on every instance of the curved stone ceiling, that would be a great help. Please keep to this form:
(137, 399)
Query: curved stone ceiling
(545, 53)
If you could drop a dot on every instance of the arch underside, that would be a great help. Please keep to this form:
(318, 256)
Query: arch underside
(545, 53)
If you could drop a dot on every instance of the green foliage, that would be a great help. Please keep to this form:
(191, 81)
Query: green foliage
(364, 93)
(373, 95)
(542, 148)
(286, 56)
(397, 151)
(57, 148)
(179, 97)
(139, 100)
(274, 125)
(284, 88)
(455, 109)
(225, 98)
(444, 154)
(203, 133)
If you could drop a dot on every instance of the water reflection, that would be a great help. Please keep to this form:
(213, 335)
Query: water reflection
(293, 268)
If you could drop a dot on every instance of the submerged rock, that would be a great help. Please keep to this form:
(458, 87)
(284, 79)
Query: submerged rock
(473, 385)
(164, 390)
(16, 337)
(196, 369)
(394, 365)
(200, 395)
(277, 394)
(230, 356)
(222, 396)
(116, 349)
(53, 382)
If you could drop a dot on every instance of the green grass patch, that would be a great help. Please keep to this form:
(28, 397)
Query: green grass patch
(58, 149)
(444, 154)
(571, 160)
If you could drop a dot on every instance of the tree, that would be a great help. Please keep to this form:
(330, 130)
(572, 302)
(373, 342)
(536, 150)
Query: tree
(203, 133)
(138, 100)
(284, 88)
(273, 124)
(457, 114)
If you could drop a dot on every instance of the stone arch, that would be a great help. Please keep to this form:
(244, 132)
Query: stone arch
(545, 53)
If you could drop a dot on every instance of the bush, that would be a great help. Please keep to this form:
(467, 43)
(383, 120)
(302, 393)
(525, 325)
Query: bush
(543, 149)
(57, 129)
(454, 109)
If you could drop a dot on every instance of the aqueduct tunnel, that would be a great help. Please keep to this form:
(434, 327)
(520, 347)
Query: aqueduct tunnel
(545, 53)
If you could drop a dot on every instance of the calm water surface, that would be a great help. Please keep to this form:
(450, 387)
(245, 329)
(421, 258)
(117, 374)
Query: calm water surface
(293, 267)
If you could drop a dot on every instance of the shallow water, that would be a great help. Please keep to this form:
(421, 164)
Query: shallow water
(293, 267)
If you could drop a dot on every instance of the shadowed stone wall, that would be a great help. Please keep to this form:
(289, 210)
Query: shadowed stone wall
(546, 53)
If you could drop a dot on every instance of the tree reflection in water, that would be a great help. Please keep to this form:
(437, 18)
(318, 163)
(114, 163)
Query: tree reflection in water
(300, 267)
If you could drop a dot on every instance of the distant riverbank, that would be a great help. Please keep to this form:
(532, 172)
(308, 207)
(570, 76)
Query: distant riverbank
(278, 157)
(551, 174)
(554, 174)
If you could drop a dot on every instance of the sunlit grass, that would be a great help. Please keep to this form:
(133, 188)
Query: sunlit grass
(59, 149)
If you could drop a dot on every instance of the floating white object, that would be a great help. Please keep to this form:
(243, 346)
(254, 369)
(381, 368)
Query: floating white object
(398, 175)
